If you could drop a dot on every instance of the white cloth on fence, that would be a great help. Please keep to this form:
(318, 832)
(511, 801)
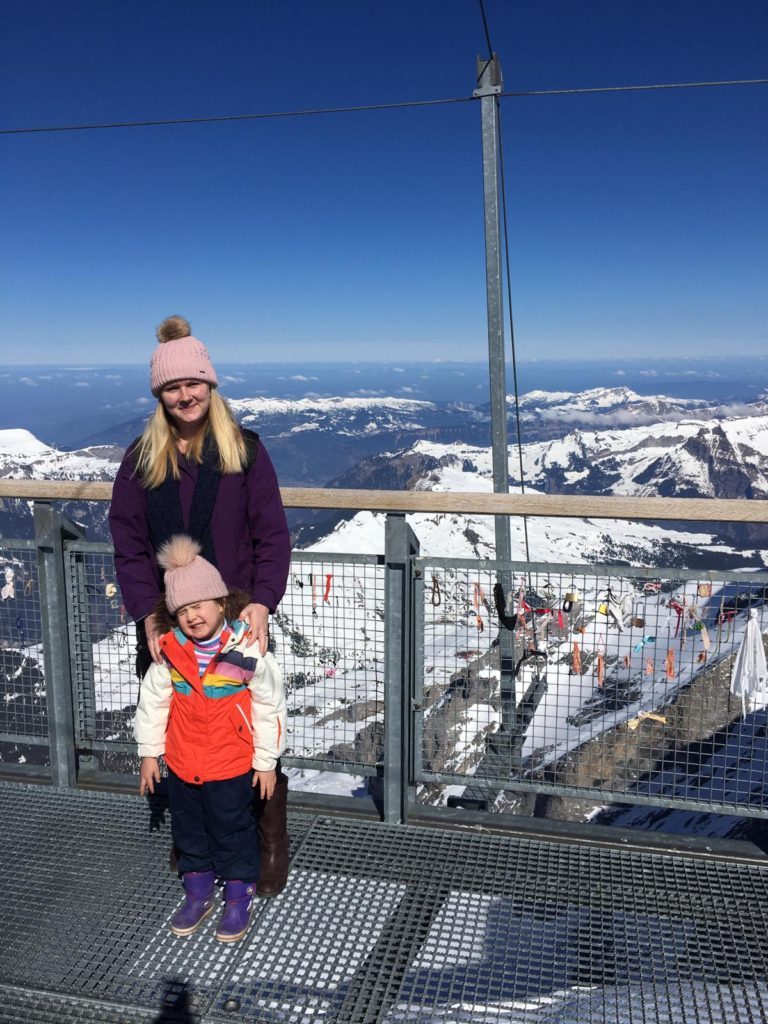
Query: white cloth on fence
(750, 673)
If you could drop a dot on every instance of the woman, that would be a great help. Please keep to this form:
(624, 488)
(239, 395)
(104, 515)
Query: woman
(195, 471)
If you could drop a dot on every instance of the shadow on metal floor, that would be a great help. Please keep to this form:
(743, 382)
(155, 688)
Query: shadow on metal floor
(379, 923)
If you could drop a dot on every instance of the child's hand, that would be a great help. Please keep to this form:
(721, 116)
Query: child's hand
(149, 774)
(265, 783)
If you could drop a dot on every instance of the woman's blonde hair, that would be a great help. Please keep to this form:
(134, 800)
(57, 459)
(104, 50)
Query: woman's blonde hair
(156, 455)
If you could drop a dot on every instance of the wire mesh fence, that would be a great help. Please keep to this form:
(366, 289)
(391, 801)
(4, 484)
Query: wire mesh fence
(618, 686)
(23, 698)
(329, 639)
(102, 647)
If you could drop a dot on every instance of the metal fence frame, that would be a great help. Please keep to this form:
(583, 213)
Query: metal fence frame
(74, 747)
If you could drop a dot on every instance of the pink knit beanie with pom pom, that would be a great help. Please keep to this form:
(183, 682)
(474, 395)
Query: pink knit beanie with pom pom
(188, 577)
(179, 356)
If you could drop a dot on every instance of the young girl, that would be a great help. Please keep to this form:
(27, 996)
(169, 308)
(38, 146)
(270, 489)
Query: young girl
(215, 708)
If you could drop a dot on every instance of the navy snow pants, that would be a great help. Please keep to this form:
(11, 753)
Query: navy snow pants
(214, 828)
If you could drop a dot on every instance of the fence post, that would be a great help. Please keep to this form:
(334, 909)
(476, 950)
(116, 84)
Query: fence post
(81, 659)
(51, 528)
(400, 548)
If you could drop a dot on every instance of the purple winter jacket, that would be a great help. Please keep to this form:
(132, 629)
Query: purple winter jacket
(250, 534)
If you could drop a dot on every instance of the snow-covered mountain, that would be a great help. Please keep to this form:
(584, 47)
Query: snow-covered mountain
(459, 468)
(296, 432)
(609, 405)
(716, 457)
(345, 416)
(725, 458)
(546, 413)
(24, 457)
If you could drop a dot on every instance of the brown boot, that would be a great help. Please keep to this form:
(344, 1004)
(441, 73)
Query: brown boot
(272, 822)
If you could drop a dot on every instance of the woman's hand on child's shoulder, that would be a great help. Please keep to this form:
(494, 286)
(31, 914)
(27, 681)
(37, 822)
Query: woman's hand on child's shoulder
(265, 782)
(149, 774)
(257, 617)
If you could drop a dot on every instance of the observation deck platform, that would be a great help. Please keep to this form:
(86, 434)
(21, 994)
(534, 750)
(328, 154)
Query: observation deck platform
(379, 923)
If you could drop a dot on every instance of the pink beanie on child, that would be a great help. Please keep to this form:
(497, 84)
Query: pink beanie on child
(188, 577)
(179, 356)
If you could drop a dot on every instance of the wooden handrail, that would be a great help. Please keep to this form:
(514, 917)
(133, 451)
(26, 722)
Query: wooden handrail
(577, 506)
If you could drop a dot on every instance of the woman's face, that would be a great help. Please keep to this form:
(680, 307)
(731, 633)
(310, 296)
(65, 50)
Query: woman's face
(187, 402)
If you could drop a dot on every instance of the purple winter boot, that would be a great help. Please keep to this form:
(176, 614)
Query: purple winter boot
(238, 900)
(198, 886)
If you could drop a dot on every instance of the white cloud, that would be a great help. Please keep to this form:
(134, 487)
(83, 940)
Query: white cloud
(697, 374)
(300, 376)
(113, 376)
(28, 381)
(82, 384)
(410, 391)
(648, 373)
(620, 373)
(398, 369)
(142, 401)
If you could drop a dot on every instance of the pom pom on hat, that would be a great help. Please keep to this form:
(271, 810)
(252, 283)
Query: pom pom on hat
(189, 578)
(178, 552)
(173, 328)
(179, 356)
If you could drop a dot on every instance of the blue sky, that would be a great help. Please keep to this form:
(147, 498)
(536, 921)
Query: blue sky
(637, 221)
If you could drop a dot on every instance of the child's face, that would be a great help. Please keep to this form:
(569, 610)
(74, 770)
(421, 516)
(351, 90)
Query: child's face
(202, 620)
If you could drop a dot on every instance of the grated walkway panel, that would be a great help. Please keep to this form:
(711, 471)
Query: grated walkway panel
(379, 923)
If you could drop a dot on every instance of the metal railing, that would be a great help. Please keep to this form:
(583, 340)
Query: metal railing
(617, 690)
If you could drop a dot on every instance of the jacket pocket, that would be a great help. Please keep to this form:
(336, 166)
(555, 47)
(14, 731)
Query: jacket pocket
(242, 724)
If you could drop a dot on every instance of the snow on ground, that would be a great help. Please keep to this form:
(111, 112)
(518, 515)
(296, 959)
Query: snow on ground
(626, 671)
(305, 780)
(443, 535)
(114, 669)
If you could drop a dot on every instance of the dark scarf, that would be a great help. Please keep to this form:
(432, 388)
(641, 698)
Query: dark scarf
(164, 505)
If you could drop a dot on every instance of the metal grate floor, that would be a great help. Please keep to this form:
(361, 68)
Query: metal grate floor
(379, 923)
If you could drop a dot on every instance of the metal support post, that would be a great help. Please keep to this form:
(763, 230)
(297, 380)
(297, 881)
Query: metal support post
(50, 532)
(489, 85)
(401, 546)
(81, 659)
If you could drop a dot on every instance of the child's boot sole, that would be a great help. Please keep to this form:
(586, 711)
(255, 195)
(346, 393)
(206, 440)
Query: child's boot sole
(181, 932)
(232, 938)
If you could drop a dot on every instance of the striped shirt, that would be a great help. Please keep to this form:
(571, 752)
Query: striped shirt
(206, 651)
